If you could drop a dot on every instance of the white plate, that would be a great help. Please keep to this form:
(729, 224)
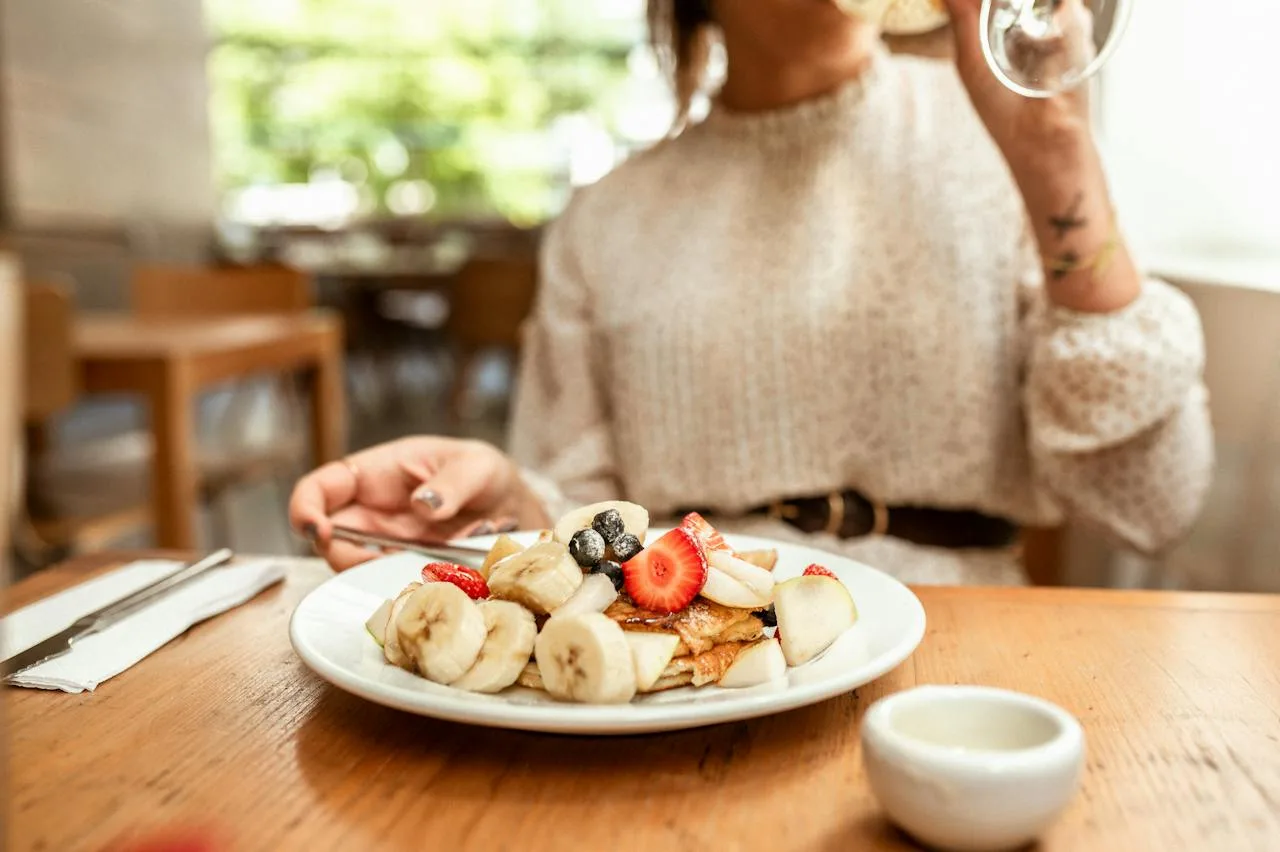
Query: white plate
(327, 631)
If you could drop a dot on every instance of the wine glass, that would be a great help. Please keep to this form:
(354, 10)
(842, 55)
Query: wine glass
(1036, 48)
(1039, 48)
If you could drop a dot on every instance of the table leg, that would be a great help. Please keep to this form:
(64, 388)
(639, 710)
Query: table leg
(328, 405)
(174, 492)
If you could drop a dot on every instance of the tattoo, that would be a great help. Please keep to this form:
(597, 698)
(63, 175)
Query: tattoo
(1069, 221)
(1064, 264)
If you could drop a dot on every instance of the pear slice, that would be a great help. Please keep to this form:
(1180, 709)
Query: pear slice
(756, 664)
(754, 578)
(766, 559)
(726, 591)
(502, 548)
(651, 653)
(377, 623)
(812, 613)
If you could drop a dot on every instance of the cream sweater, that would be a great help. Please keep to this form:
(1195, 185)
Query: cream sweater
(843, 293)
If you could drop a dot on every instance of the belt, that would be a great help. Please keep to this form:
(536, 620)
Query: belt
(848, 514)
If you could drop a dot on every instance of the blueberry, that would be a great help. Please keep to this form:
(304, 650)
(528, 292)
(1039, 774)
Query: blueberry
(609, 524)
(626, 546)
(586, 547)
(612, 570)
(768, 616)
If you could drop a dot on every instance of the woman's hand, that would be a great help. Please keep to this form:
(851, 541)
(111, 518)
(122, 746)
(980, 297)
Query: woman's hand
(426, 489)
(1028, 131)
(1049, 147)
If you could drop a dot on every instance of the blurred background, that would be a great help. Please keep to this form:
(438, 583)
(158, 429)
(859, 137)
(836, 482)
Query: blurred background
(226, 211)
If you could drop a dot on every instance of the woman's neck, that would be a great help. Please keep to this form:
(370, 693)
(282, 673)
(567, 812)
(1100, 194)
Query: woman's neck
(754, 81)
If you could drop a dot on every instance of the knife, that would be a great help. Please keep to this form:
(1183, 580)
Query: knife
(460, 553)
(95, 622)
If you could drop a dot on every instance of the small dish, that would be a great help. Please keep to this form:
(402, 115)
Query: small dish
(969, 767)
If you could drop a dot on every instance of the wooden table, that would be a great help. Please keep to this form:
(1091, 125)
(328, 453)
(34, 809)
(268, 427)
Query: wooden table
(169, 362)
(1178, 694)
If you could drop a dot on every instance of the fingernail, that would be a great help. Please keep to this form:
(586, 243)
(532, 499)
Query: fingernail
(310, 532)
(510, 525)
(431, 498)
(485, 528)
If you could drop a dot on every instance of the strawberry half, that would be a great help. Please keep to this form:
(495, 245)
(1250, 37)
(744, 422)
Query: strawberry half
(667, 575)
(819, 571)
(700, 528)
(467, 579)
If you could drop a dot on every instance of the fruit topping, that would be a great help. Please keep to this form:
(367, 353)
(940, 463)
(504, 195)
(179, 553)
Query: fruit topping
(812, 613)
(586, 547)
(708, 536)
(667, 575)
(765, 559)
(634, 519)
(626, 546)
(816, 570)
(502, 548)
(442, 631)
(651, 653)
(755, 664)
(506, 649)
(727, 591)
(756, 579)
(594, 595)
(586, 658)
(609, 525)
(467, 579)
(542, 577)
(612, 570)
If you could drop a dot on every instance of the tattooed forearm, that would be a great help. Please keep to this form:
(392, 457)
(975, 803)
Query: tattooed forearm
(1064, 223)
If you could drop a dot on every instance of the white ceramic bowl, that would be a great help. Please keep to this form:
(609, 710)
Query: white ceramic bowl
(971, 767)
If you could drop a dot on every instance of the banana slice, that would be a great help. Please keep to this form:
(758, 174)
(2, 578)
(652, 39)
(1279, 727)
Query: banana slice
(635, 519)
(391, 649)
(502, 548)
(586, 658)
(441, 630)
(506, 650)
(542, 577)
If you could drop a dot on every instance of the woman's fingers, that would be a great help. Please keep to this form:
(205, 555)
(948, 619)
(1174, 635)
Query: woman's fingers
(461, 478)
(317, 496)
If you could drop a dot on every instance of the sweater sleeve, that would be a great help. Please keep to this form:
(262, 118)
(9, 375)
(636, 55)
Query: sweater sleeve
(1117, 413)
(560, 431)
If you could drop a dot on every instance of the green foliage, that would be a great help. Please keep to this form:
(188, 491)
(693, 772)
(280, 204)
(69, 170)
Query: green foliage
(458, 94)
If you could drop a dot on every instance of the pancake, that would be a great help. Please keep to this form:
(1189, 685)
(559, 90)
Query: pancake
(701, 626)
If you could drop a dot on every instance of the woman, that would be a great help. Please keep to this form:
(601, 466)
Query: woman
(866, 294)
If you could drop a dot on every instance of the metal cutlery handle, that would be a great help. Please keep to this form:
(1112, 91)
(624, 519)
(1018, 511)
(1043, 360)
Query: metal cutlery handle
(451, 552)
(113, 612)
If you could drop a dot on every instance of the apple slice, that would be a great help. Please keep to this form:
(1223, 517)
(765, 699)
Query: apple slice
(756, 579)
(502, 548)
(594, 595)
(756, 664)
(812, 612)
(766, 559)
(651, 653)
(725, 590)
(377, 623)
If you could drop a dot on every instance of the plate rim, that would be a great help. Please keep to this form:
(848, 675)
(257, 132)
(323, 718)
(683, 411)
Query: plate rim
(608, 719)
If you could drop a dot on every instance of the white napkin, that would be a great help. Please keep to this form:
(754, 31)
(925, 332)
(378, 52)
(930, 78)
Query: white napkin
(104, 655)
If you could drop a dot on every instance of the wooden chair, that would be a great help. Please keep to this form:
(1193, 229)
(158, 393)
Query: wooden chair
(11, 351)
(1043, 555)
(490, 301)
(95, 498)
(169, 292)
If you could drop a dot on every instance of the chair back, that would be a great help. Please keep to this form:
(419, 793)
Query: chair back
(491, 299)
(177, 291)
(50, 380)
(11, 388)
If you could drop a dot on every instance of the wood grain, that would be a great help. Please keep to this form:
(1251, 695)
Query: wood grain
(1177, 693)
